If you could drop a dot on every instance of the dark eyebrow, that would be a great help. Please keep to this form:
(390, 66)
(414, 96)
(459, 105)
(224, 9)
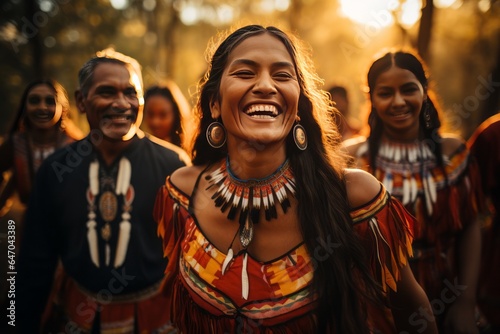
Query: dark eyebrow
(383, 87)
(409, 84)
(254, 63)
(105, 87)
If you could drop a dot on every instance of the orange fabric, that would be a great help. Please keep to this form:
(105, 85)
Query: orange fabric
(459, 202)
(385, 229)
(389, 233)
(199, 291)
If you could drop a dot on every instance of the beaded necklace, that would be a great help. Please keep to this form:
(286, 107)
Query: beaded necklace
(406, 170)
(247, 198)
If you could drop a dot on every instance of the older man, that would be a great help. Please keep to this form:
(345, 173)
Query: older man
(91, 212)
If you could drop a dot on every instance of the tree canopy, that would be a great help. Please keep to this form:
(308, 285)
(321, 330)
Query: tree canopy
(458, 39)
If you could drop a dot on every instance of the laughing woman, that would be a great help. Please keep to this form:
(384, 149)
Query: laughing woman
(433, 175)
(267, 232)
(41, 126)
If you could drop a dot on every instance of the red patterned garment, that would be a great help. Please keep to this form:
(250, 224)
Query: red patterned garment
(443, 202)
(279, 301)
(485, 147)
(27, 158)
(76, 310)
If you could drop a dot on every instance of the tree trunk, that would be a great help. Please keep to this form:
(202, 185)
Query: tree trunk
(425, 29)
(32, 10)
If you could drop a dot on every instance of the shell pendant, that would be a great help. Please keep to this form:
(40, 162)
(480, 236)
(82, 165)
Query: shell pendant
(246, 233)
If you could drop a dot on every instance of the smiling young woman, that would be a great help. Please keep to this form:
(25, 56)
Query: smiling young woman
(268, 232)
(41, 125)
(433, 175)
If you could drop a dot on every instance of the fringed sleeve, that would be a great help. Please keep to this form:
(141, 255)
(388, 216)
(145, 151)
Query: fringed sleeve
(459, 201)
(170, 212)
(466, 196)
(384, 227)
(473, 200)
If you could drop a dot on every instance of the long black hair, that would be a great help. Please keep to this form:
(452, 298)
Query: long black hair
(429, 134)
(323, 208)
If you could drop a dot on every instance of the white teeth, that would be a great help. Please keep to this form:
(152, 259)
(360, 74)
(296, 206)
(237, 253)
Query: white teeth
(261, 116)
(263, 108)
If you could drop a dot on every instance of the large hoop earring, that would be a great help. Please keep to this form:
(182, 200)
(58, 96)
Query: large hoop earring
(300, 137)
(427, 116)
(216, 135)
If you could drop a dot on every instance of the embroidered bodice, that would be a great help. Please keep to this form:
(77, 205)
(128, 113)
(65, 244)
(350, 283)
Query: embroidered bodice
(278, 290)
(442, 198)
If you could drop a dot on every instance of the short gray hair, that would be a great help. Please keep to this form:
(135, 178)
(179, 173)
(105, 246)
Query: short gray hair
(110, 56)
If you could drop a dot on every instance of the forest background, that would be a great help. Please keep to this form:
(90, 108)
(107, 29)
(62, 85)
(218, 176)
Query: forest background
(459, 40)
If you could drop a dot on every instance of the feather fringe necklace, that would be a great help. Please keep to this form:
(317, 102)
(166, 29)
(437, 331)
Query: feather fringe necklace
(245, 199)
(248, 197)
(108, 208)
(412, 165)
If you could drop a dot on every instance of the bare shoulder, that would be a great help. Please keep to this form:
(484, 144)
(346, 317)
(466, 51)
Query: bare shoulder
(185, 178)
(451, 143)
(361, 186)
(352, 145)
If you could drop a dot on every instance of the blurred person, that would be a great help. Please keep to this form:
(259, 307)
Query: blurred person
(41, 126)
(433, 175)
(91, 210)
(267, 232)
(167, 113)
(347, 126)
(485, 147)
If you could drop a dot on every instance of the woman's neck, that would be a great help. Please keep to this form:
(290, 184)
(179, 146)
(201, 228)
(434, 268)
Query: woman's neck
(404, 138)
(44, 137)
(254, 162)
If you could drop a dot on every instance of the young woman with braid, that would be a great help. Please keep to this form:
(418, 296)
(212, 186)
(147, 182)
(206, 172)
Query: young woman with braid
(268, 232)
(433, 175)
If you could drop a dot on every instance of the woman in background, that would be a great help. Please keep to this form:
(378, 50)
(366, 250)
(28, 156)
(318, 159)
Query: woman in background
(433, 175)
(40, 127)
(167, 114)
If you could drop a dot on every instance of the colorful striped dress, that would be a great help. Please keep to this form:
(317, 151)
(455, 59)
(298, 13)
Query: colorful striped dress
(204, 300)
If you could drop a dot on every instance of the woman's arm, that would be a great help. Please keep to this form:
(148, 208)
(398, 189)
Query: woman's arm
(461, 315)
(410, 307)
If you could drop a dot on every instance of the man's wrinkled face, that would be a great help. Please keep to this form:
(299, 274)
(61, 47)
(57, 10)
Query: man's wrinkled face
(111, 103)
